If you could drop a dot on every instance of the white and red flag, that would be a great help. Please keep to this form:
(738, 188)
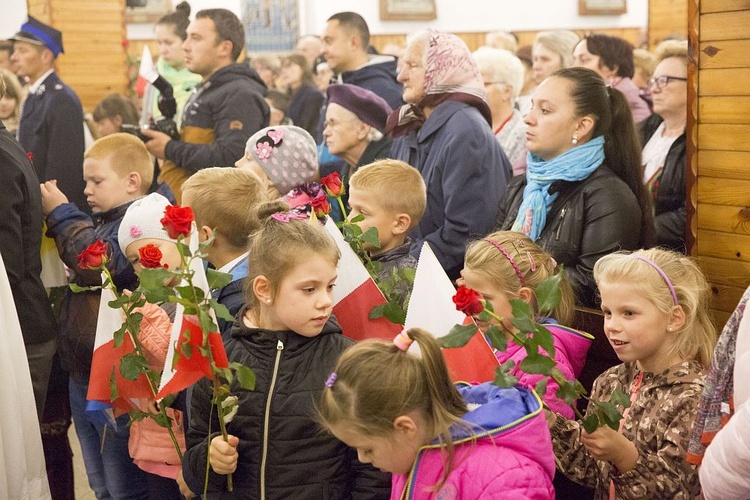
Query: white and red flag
(431, 308)
(355, 294)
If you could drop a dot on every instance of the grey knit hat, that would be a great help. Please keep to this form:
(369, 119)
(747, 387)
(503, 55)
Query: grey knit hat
(142, 220)
(287, 154)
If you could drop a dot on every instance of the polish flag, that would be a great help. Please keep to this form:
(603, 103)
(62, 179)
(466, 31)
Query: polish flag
(146, 72)
(355, 294)
(106, 360)
(192, 368)
(431, 308)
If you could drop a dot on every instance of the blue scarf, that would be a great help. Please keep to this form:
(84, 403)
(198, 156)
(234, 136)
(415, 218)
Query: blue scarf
(573, 165)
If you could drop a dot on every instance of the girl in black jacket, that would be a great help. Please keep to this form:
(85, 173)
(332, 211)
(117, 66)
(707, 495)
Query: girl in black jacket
(290, 340)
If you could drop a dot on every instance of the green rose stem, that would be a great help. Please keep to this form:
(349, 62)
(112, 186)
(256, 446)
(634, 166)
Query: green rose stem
(188, 276)
(132, 325)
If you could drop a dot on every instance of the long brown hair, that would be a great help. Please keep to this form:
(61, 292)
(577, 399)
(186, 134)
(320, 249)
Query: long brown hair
(376, 382)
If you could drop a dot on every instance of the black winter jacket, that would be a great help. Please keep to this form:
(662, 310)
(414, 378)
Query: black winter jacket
(589, 219)
(275, 424)
(671, 193)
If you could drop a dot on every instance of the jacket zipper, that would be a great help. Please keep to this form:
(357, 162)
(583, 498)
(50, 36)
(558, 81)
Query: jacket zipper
(562, 218)
(279, 348)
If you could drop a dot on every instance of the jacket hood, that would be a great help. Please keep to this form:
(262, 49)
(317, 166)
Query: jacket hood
(384, 66)
(511, 418)
(576, 344)
(233, 72)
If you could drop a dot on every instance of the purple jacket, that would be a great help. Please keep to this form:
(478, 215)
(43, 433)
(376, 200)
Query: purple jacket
(510, 458)
(571, 347)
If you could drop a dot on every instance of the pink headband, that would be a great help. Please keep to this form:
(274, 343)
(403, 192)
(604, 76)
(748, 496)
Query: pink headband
(662, 273)
(510, 259)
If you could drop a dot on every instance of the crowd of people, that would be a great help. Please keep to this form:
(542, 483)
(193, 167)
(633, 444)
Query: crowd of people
(514, 164)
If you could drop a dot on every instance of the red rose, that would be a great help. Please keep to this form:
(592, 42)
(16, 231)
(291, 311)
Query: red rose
(333, 184)
(320, 205)
(93, 255)
(177, 221)
(468, 301)
(150, 256)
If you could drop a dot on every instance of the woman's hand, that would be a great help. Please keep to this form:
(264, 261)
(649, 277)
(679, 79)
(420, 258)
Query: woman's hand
(223, 455)
(611, 446)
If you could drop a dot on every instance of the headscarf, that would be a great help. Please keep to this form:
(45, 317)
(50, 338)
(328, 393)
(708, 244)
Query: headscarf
(451, 74)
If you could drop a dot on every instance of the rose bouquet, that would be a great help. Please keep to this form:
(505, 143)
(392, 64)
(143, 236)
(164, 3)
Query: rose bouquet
(538, 342)
(195, 346)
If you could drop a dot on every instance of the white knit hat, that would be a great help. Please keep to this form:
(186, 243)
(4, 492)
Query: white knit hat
(142, 220)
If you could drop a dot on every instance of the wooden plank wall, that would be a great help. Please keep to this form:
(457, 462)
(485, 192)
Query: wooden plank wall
(94, 62)
(666, 17)
(720, 46)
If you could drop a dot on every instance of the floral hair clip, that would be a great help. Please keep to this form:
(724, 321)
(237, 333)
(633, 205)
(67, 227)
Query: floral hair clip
(287, 216)
(266, 144)
(135, 231)
(331, 380)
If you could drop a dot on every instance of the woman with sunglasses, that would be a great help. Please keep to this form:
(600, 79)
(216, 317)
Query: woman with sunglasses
(663, 139)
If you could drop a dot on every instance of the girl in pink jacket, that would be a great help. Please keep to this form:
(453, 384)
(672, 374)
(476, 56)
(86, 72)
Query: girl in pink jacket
(507, 265)
(403, 415)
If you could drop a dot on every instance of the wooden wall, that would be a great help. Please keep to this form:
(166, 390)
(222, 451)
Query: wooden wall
(720, 132)
(666, 17)
(94, 62)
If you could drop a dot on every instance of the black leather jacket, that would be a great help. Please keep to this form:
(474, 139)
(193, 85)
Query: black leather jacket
(279, 438)
(671, 194)
(589, 219)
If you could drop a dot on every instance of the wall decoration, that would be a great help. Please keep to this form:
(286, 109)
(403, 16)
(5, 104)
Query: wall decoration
(270, 25)
(150, 13)
(602, 7)
(407, 10)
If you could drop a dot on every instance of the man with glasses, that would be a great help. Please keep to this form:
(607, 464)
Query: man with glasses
(663, 139)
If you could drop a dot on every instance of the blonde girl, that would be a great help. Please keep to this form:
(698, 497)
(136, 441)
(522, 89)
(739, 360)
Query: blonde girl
(507, 265)
(403, 415)
(288, 337)
(656, 317)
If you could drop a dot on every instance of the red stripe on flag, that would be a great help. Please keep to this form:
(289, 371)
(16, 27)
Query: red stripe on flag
(107, 358)
(474, 362)
(353, 312)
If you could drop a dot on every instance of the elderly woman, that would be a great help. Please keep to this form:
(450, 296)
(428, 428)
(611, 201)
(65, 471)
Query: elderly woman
(663, 139)
(503, 75)
(552, 51)
(445, 131)
(582, 196)
(354, 128)
(612, 58)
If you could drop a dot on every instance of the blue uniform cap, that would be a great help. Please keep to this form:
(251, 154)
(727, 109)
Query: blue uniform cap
(38, 33)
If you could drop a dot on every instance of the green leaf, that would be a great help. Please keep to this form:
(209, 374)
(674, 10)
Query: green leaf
(113, 392)
(137, 416)
(220, 310)
(134, 323)
(541, 387)
(567, 392)
(591, 423)
(207, 324)
(485, 316)
(537, 364)
(187, 350)
(497, 338)
(407, 274)
(358, 218)
(217, 279)
(188, 291)
(522, 309)
(503, 378)
(620, 398)
(184, 249)
(609, 413)
(376, 312)
(371, 237)
(245, 376)
(119, 301)
(119, 335)
(77, 289)
(132, 365)
(152, 284)
(548, 293)
(544, 338)
(394, 313)
(459, 336)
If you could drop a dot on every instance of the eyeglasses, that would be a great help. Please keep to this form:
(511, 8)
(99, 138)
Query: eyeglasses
(663, 81)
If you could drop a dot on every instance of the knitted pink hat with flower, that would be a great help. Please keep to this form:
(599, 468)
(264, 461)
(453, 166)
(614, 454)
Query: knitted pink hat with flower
(287, 154)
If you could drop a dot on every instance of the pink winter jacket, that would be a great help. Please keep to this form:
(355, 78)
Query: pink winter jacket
(571, 347)
(511, 456)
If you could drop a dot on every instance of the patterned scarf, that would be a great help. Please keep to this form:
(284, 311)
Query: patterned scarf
(450, 75)
(575, 164)
(716, 403)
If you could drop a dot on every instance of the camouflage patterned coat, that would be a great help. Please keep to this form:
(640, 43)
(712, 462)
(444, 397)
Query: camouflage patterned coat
(658, 422)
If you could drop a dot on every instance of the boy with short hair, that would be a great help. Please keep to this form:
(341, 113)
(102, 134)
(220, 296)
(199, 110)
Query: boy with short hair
(117, 170)
(391, 196)
(224, 202)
